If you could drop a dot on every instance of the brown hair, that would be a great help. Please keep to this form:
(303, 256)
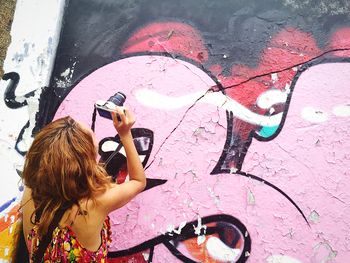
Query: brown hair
(61, 167)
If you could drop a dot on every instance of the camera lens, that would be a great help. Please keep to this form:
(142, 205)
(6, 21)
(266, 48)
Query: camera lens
(118, 99)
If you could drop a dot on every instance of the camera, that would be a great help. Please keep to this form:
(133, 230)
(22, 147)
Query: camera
(104, 108)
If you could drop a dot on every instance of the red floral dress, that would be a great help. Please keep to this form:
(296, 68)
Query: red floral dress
(65, 248)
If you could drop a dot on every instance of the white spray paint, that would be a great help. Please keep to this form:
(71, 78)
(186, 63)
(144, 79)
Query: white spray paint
(65, 79)
(342, 110)
(181, 226)
(197, 231)
(274, 77)
(219, 251)
(314, 115)
(271, 97)
(154, 99)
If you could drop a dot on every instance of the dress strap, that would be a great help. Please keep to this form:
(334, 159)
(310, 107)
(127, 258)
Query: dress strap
(46, 239)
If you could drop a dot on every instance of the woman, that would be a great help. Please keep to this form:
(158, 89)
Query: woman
(65, 182)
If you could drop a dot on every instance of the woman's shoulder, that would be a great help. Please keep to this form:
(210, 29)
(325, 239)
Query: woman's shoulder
(118, 195)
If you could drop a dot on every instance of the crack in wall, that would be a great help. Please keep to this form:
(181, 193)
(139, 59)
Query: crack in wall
(212, 89)
(287, 68)
(174, 56)
(175, 128)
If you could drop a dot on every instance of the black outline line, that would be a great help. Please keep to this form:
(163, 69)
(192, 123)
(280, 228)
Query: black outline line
(188, 232)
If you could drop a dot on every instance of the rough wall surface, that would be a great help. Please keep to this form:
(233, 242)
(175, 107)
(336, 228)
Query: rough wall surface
(242, 125)
(6, 17)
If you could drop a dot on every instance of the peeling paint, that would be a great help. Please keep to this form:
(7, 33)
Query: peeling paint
(314, 217)
(282, 259)
(324, 253)
(250, 197)
(181, 226)
(215, 197)
(33, 108)
(66, 77)
(274, 77)
(145, 256)
(248, 112)
(198, 231)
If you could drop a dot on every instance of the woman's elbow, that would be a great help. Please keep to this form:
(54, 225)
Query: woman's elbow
(143, 184)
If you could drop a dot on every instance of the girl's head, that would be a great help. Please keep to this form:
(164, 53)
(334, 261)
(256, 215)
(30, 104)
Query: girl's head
(61, 166)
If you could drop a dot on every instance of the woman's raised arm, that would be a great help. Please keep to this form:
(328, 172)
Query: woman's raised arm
(120, 194)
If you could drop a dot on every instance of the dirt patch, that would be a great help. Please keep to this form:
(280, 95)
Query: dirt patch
(7, 9)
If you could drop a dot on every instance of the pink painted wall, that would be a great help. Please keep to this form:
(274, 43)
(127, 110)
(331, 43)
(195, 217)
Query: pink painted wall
(308, 160)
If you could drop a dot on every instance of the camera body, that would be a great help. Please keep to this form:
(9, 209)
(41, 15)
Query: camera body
(104, 108)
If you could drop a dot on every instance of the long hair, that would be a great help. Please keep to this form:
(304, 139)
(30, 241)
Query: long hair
(61, 167)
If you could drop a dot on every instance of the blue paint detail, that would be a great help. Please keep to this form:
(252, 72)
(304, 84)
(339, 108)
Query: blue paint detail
(268, 131)
(21, 188)
(7, 204)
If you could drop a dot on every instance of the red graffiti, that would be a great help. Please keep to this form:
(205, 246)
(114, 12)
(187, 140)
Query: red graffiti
(288, 48)
(170, 37)
(340, 40)
(139, 258)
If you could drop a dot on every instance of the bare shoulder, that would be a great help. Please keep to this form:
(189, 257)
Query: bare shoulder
(117, 195)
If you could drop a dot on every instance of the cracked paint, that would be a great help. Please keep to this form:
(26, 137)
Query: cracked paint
(323, 253)
(281, 259)
(314, 217)
(250, 143)
(250, 197)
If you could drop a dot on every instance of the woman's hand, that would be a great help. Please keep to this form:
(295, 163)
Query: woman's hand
(120, 194)
(125, 122)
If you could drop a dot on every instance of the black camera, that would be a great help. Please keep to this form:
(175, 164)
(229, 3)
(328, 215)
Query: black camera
(104, 108)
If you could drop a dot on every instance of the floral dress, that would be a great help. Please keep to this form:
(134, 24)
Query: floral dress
(65, 248)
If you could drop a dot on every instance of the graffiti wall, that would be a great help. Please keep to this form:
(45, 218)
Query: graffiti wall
(242, 110)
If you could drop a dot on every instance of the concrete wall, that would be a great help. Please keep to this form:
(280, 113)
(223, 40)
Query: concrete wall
(242, 121)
